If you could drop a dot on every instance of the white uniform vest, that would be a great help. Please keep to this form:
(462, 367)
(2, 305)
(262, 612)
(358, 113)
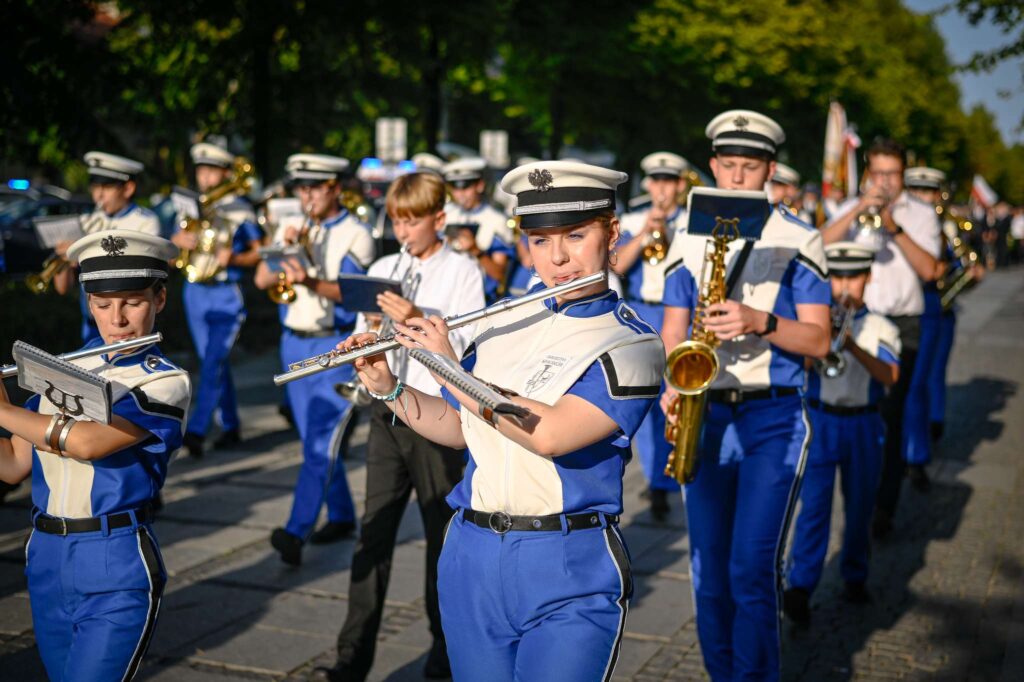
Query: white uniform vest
(540, 354)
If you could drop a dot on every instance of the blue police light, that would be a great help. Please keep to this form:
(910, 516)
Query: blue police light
(406, 166)
(372, 163)
(18, 184)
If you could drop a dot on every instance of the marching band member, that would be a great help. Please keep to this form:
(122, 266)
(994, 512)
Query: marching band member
(643, 247)
(909, 242)
(938, 326)
(493, 245)
(848, 434)
(112, 184)
(784, 188)
(534, 578)
(336, 242)
(95, 575)
(429, 163)
(439, 281)
(755, 434)
(214, 308)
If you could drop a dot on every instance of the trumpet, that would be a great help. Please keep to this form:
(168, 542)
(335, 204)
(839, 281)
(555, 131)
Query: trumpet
(956, 280)
(336, 358)
(8, 371)
(833, 365)
(283, 293)
(39, 282)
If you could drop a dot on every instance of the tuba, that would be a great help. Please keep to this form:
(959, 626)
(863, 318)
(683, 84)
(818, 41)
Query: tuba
(213, 231)
(956, 280)
(693, 365)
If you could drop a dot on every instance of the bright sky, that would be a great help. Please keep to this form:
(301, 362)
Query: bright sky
(1000, 90)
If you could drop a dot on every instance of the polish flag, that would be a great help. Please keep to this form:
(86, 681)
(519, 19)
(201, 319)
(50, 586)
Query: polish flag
(983, 193)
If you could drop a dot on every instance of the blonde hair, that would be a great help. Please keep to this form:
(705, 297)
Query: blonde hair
(415, 195)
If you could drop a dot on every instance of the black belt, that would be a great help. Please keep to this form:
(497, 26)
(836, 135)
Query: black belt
(501, 523)
(845, 410)
(734, 396)
(316, 334)
(56, 525)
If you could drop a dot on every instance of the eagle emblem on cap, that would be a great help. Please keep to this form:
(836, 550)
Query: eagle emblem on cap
(741, 122)
(114, 246)
(541, 179)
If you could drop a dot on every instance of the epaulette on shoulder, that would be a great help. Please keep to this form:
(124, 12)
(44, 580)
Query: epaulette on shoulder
(791, 217)
(629, 318)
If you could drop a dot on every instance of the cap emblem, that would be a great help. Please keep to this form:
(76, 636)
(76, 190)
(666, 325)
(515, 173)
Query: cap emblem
(741, 122)
(541, 179)
(114, 246)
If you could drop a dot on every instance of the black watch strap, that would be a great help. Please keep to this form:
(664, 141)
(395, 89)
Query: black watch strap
(769, 326)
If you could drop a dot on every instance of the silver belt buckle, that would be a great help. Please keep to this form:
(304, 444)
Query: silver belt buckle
(63, 526)
(500, 522)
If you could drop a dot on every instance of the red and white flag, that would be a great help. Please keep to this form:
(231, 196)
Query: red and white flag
(841, 142)
(982, 192)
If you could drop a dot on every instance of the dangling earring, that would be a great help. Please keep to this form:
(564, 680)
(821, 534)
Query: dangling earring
(613, 258)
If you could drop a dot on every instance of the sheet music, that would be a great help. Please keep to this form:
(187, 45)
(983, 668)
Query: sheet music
(454, 374)
(283, 207)
(72, 390)
(185, 202)
(58, 228)
(273, 255)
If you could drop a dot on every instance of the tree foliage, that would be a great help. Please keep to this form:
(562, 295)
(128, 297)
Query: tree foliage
(149, 77)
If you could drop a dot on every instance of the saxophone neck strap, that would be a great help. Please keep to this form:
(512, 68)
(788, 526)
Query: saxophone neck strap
(737, 269)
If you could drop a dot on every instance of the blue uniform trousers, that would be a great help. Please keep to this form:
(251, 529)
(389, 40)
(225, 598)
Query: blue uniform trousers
(738, 512)
(215, 314)
(937, 371)
(917, 443)
(322, 416)
(854, 444)
(651, 445)
(533, 606)
(95, 599)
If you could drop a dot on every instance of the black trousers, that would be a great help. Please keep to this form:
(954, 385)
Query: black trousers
(892, 407)
(397, 462)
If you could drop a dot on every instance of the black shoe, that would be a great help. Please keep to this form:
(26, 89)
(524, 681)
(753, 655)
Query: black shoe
(659, 505)
(288, 546)
(918, 476)
(332, 531)
(194, 444)
(437, 666)
(856, 593)
(796, 604)
(881, 525)
(228, 439)
(938, 429)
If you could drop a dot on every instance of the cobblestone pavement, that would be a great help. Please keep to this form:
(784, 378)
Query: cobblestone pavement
(948, 588)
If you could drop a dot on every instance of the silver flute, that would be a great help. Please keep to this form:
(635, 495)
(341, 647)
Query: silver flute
(336, 358)
(128, 344)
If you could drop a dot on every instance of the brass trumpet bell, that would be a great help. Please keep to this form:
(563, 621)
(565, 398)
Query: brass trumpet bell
(282, 292)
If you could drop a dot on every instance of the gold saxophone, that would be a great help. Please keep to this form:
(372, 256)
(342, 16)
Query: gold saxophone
(212, 230)
(693, 365)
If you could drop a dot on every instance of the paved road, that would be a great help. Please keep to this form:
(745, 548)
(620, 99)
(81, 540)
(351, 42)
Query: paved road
(949, 587)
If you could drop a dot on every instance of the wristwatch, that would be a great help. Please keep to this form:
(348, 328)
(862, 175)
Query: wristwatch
(769, 326)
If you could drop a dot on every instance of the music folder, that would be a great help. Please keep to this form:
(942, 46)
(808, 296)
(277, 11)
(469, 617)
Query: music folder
(52, 230)
(478, 390)
(359, 292)
(708, 207)
(273, 255)
(78, 393)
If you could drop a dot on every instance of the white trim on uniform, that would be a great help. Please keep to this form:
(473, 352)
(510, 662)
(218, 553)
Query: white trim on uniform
(623, 603)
